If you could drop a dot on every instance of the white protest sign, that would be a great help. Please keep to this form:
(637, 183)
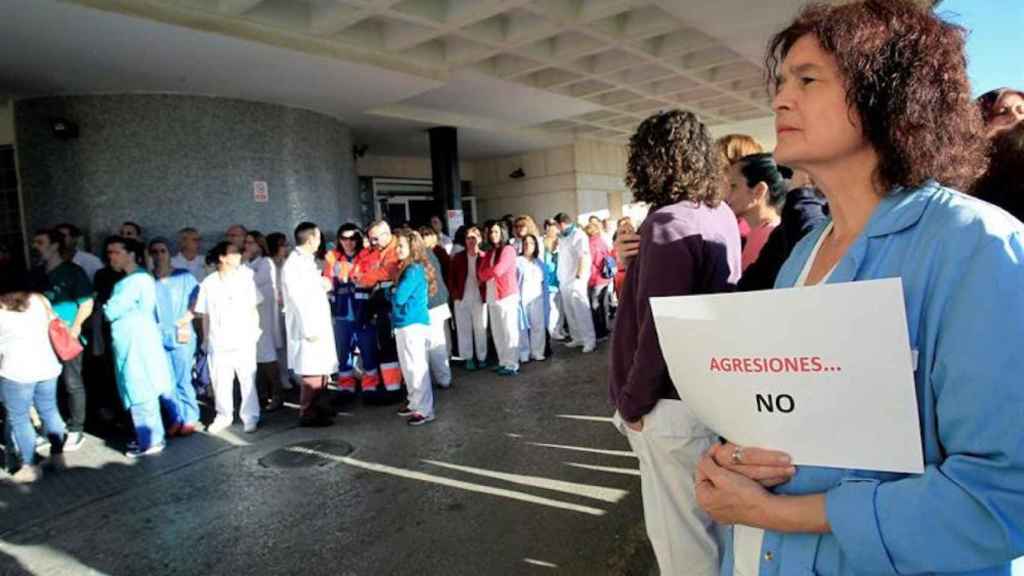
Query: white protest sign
(822, 373)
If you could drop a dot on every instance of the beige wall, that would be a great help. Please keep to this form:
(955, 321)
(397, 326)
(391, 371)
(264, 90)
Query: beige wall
(403, 167)
(6, 123)
(580, 179)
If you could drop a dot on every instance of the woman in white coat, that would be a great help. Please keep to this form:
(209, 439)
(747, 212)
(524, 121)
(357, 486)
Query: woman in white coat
(268, 377)
(307, 315)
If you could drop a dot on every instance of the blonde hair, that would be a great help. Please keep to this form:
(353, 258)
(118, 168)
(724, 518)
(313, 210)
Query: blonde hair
(732, 147)
(592, 229)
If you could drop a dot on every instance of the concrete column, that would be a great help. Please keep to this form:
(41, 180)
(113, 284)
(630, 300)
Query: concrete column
(444, 164)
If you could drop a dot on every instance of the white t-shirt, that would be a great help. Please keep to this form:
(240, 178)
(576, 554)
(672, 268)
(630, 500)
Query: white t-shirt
(230, 302)
(26, 355)
(472, 291)
(88, 262)
(196, 265)
(571, 251)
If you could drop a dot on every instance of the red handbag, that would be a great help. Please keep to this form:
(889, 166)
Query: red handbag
(66, 347)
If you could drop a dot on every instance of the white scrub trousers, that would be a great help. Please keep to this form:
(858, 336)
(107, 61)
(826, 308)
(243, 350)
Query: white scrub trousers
(437, 346)
(684, 538)
(225, 365)
(533, 337)
(411, 342)
(471, 323)
(504, 317)
(576, 305)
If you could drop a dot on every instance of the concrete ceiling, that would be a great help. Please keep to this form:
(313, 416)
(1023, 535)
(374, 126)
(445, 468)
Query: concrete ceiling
(512, 74)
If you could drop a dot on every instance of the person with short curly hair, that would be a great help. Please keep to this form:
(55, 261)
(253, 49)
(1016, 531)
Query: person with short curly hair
(872, 100)
(689, 244)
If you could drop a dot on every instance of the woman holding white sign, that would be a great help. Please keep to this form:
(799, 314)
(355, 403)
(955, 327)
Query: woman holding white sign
(872, 100)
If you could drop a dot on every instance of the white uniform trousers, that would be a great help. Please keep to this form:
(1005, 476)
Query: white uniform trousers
(471, 322)
(504, 318)
(685, 540)
(411, 342)
(225, 365)
(533, 337)
(556, 318)
(437, 346)
(576, 305)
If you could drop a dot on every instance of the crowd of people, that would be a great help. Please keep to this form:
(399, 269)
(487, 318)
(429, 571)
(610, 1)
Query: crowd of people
(369, 313)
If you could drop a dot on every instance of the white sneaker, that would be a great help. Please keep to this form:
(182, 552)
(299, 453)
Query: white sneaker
(589, 349)
(218, 425)
(250, 427)
(27, 474)
(134, 452)
(574, 344)
(74, 441)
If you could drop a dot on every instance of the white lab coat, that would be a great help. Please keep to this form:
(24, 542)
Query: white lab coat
(307, 317)
(265, 277)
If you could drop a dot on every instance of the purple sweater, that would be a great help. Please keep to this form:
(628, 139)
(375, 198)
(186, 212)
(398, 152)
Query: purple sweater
(684, 249)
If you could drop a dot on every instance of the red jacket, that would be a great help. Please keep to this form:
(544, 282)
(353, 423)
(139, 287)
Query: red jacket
(598, 251)
(500, 265)
(372, 267)
(457, 275)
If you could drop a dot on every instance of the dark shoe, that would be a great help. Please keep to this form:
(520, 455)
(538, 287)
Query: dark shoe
(404, 410)
(471, 365)
(174, 430)
(418, 419)
(274, 405)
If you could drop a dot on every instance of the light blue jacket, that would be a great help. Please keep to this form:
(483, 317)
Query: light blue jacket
(962, 265)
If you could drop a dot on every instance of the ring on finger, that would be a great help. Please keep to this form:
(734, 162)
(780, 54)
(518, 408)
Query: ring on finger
(737, 455)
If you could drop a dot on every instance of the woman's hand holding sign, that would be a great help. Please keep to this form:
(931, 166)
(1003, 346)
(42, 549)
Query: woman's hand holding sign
(766, 467)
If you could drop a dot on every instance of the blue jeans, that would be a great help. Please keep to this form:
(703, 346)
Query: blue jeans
(181, 360)
(19, 398)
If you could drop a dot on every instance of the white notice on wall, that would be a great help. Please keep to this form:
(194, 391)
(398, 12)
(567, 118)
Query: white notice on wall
(824, 373)
(455, 220)
(260, 192)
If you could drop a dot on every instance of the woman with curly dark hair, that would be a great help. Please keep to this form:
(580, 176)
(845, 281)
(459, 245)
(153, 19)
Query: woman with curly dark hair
(872, 100)
(689, 244)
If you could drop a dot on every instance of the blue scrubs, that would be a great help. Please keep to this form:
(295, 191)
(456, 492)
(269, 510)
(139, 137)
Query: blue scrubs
(143, 373)
(175, 295)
